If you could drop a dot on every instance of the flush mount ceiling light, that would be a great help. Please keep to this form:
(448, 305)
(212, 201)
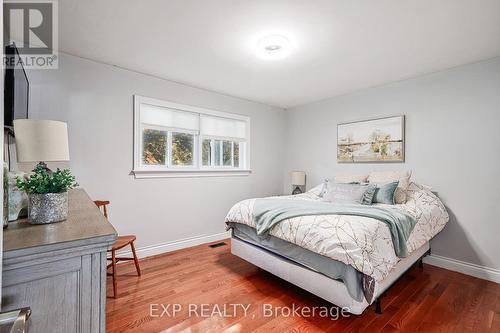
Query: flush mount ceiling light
(273, 47)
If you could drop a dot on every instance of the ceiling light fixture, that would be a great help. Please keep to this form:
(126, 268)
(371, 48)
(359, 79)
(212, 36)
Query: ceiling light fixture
(273, 47)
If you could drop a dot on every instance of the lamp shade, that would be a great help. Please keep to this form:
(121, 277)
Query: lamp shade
(41, 140)
(298, 178)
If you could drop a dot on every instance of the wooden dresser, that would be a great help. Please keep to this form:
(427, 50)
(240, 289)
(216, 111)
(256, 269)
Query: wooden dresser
(59, 270)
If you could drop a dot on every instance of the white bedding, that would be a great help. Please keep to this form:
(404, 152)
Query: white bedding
(361, 242)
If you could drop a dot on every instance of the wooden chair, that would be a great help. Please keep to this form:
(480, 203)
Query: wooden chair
(120, 243)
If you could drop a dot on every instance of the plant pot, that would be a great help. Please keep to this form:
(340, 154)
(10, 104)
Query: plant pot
(47, 208)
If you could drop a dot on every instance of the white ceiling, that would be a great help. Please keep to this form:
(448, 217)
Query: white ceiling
(341, 46)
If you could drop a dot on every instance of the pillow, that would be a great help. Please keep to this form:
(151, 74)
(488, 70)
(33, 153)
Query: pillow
(348, 178)
(384, 177)
(320, 189)
(350, 193)
(369, 194)
(385, 193)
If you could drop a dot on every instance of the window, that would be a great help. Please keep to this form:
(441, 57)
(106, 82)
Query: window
(220, 153)
(154, 147)
(174, 140)
(182, 149)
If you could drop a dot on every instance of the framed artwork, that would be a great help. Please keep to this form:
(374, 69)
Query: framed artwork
(374, 140)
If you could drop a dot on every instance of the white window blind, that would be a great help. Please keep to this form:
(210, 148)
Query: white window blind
(166, 117)
(222, 127)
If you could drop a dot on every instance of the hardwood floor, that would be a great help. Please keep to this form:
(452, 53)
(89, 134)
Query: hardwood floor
(427, 300)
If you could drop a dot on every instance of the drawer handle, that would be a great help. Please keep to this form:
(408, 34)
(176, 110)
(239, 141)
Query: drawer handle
(18, 319)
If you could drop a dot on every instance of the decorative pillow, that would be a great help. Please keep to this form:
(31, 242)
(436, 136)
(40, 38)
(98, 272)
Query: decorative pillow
(349, 178)
(385, 193)
(384, 177)
(350, 193)
(369, 194)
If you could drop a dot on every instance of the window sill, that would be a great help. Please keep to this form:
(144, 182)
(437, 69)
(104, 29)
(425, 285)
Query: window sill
(189, 173)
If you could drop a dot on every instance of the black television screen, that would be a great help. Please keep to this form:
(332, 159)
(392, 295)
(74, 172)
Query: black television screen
(16, 87)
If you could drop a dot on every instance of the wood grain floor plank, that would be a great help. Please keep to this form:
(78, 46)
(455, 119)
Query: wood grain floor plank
(429, 299)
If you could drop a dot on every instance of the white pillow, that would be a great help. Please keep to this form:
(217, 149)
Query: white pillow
(384, 177)
(320, 189)
(361, 194)
(346, 178)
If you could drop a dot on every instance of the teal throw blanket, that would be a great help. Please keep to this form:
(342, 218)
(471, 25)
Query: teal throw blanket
(269, 212)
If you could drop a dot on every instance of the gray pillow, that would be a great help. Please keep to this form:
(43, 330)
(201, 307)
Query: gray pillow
(385, 193)
(369, 194)
(350, 193)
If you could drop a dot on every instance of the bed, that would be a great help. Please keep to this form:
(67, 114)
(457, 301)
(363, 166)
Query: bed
(348, 260)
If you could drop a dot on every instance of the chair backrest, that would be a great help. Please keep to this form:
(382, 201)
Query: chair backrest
(103, 204)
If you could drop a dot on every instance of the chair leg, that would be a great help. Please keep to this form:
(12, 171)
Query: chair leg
(113, 261)
(136, 261)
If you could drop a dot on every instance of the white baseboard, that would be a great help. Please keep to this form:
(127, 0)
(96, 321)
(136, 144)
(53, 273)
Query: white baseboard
(152, 250)
(482, 272)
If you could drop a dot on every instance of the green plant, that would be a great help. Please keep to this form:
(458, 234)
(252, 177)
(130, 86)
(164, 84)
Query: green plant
(43, 181)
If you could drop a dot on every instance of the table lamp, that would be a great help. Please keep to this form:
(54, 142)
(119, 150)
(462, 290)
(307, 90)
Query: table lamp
(41, 141)
(298, 180)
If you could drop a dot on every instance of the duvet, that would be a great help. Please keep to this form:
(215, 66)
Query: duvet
(362, 242)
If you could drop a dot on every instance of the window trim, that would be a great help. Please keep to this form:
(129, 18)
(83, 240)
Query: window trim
(198, 170)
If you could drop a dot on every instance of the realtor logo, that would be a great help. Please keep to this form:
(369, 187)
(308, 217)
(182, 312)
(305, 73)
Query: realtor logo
(32, 26)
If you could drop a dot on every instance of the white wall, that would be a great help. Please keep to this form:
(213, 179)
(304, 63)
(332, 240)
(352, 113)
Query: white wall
(452, 144)
(96, 101)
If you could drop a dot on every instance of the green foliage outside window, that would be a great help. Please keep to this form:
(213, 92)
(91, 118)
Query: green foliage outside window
(236, 155)
(206, 152)
(154, 147)
(182, 149)
(226, 152)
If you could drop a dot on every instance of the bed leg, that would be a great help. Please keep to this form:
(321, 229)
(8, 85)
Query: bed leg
(378, 306)
(421, 260)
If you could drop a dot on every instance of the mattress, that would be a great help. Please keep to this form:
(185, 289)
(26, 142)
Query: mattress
(361, 242)
(333, 269)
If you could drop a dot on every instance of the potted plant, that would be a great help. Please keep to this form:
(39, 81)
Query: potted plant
(47, 194)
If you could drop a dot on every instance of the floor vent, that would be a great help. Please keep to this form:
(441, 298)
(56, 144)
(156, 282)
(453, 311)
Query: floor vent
(213, 246)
